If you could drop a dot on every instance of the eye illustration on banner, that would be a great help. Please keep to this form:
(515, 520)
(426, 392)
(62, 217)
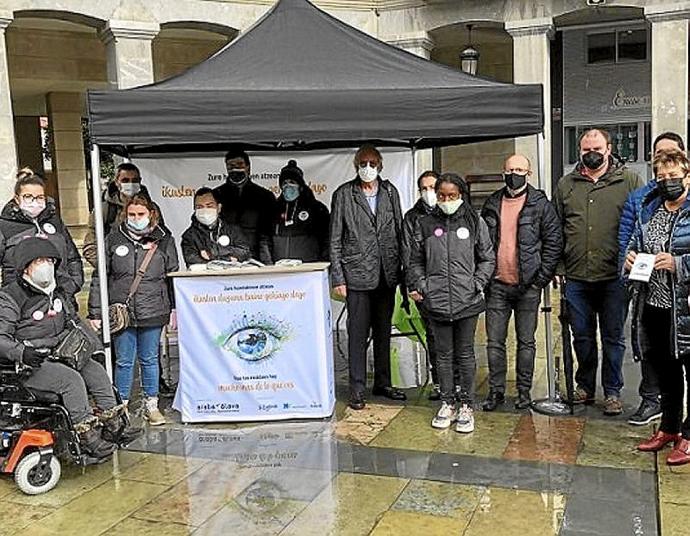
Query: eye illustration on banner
(255, 337)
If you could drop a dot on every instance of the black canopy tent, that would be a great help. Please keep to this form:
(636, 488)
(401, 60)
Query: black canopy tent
(300, 79)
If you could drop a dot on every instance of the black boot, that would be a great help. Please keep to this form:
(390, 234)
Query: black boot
(91, 441)
(116, 426)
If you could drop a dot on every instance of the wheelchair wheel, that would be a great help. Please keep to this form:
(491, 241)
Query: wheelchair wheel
(33, 481)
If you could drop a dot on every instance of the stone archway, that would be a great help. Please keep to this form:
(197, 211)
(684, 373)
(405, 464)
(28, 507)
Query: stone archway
(53, 58)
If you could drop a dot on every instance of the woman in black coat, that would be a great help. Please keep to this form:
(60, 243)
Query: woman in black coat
(151, 306)
(31, 213)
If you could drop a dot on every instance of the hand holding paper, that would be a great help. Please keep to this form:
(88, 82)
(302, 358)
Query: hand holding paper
(642, 267)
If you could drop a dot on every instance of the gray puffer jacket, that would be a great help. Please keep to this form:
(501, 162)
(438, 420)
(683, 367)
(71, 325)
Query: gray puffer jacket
(152, 302)
(364, 245)
(451, 262)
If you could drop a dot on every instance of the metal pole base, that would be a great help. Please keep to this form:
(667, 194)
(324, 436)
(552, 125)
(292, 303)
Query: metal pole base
(555, 408)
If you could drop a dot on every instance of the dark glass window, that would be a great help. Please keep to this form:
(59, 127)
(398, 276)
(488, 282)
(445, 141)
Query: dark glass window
(632, 45)
(601, 47)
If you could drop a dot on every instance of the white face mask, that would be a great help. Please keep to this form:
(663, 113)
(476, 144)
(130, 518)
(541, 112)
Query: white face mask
(207, 216)
(368, 174)
(429, 197)
(43, 275)
(130, 189)
(450, 207)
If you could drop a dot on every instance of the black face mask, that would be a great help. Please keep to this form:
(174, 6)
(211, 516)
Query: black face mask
(237, 177)
(592, 160)
(514, 181)
(670, 189)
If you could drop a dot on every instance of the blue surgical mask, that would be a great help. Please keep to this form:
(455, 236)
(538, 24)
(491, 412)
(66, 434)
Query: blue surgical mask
(138, 225)
(290, 192)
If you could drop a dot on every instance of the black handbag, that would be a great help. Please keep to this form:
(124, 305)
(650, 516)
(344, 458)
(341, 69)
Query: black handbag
(78, 346)
(118, 313)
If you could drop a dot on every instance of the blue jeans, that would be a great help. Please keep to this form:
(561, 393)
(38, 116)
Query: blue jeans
(605, 302)
(144, 343)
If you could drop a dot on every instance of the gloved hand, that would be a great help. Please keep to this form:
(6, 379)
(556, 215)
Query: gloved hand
(32, 357)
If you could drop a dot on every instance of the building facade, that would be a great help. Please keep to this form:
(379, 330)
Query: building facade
(618, 64)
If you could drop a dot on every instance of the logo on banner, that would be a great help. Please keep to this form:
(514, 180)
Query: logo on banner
(255, 337)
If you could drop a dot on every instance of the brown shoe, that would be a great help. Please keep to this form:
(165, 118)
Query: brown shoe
(613, 406)
(658, 441)
(580, 396)
(680, 455)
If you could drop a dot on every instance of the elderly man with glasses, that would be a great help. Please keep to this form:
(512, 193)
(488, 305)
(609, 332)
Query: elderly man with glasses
(366, 258)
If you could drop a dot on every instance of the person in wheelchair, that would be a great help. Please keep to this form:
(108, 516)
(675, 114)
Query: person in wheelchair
(34, 318)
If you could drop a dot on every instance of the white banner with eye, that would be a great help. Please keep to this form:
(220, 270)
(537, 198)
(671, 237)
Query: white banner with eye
(172, 180)
(254, 348)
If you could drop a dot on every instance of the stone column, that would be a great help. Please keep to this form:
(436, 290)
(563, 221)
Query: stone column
(419, 44)
(532, 65)
(8, 151)
(69, 165)
(129, 53)
(669, 67)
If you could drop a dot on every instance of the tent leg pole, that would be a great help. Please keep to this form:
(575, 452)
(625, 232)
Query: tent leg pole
(552, 405)
(100, 243)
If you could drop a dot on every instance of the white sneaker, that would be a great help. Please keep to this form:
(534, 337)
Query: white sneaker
(152, 413)
(445, 416)
(465, 420)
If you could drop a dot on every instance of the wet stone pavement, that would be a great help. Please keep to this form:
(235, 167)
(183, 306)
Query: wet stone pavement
(381, 471)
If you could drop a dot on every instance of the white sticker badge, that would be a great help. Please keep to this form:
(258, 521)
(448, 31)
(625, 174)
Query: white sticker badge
(224, 240)
(49, 228)
(122, 251)
(463, 233)
(38, 315)
(303, 216)
(57, 305)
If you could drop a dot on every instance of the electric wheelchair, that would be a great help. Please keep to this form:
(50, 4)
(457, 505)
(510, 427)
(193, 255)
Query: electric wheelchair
(37, 433)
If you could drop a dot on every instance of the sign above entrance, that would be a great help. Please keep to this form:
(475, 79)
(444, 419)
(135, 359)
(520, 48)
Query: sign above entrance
(623, 101)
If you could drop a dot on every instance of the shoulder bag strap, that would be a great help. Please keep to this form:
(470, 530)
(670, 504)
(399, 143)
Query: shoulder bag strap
(141, 271)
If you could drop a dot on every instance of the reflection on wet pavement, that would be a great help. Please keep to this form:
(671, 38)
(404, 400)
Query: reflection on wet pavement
(382, 471)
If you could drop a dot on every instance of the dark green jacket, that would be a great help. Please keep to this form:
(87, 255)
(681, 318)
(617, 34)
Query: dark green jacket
(590, 212)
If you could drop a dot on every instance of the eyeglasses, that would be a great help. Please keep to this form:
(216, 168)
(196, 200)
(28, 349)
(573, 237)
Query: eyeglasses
(371, 164)
(28, 198)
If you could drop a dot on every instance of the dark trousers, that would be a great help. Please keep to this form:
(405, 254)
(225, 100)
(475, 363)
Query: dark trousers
(660, 355)
(430, 347)
(649, 383)
(369, 310)
(603, 303)
(501, 301)
(455, 353)
(74, 387)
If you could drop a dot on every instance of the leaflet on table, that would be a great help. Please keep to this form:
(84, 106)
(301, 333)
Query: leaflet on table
(642, 267)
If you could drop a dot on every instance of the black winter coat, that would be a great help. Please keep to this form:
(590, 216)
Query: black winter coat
(410, 220)
(221, 241)
(16, 225)
(27, 314)
(152, 302)
(451, 262)
(251, 209)
(362, 246)
(540, 235)
(300, 229)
